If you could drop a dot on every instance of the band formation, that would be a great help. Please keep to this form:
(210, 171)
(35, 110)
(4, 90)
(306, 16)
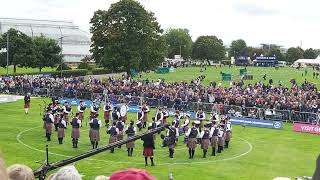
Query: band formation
(213, 133)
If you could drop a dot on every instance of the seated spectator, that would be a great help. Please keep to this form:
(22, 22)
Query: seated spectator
(20, 172)
(67, 173)
(132, 174)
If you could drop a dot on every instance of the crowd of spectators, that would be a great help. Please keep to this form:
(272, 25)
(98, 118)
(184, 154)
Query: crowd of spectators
(303, 97)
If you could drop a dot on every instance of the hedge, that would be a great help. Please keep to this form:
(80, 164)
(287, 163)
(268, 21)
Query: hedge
(98, 71)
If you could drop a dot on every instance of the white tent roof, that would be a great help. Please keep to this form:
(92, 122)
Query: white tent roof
(308, 61)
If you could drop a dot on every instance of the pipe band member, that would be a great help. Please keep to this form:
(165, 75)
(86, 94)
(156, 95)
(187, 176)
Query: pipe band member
(214, 132)
(113, 131)
(172, 134)
(27, 103)
(146, 111)
(81, 110)
(205, 139)
(66, 110)
(48, 124)
(107, 113)
(192, 134)
(130, 131)
(148, 146)
(75, 134)
(95, 125)
(140, 116)
(62, 125)
(120, 127)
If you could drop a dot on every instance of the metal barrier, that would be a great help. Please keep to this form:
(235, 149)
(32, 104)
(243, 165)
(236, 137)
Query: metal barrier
(306, 117)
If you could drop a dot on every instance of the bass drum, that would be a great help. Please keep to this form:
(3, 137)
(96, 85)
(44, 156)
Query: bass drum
(123, 110)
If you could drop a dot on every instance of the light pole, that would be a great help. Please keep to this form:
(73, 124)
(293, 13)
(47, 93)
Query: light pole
(61, 38)
(7, 53)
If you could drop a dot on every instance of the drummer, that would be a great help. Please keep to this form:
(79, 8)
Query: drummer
(94, 109)
(146, 111)
(123, 112)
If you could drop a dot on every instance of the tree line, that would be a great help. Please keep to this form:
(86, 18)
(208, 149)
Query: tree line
(25, 51)
(126, 36)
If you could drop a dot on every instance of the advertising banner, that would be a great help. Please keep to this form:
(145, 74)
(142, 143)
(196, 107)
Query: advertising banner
(306, 128)
(256, 122)
(75, 102)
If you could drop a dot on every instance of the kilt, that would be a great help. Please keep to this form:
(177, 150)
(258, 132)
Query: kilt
(107, 115)
(148, 152)
(48, 128)
(56, 119)
(130, 144)
(60, 132)
(205, 144)
(220, 141)
(228, 136)
(112, 139)
(27, 105)
(66, 117)
(94, 135)
(192, 143)
(75, 133)
(120, 136)
(214, 141)
(164, 120)
(81, 116)
(145, 118)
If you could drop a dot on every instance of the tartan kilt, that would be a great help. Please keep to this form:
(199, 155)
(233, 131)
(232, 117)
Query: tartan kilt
(94, 135)
(120, 136)
(220, 141)
(27, 105)
(228, 136)
(148, 152)
(61, 133)
(48, 128)
(164, 120)
(145, 118)
(192, 143)
(107, 115)
(214, 141)
(75, 133)
(56, 119)
(205, 144)
(112, 139)
(130, 144)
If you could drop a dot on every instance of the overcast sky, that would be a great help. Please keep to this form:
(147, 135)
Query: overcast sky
(285, 22)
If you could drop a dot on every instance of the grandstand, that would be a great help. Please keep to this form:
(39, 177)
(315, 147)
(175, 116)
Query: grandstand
(75, 42)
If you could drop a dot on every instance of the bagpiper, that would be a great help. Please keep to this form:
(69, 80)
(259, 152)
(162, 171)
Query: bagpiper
(120, 127)
(130, 131)
(107, 112)
(81, 110)
(146, 111)
(75, 134)
(159, 115)
(185, 128)
(66, 111)
(27, 103)
(205, 139)
(94, 109)
(172, 135)
(228, 133)
(201, 116)
(115, 115)
(113, 131)
(48, 124)
(214, 132)
(95, 125)
(221, 138)
(165, 115)
(148, 146)
(192, 138)
(140, 115)
(61, 127)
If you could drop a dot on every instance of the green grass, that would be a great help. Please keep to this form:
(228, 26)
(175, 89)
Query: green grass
(3, 71)
(274, 152)
(212, 74)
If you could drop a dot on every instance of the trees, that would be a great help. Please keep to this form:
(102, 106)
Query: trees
(294, 54)
(127, 37)
(21, 49)
(310, 53)
(179, 42)
(277, 53)
(238, 48)
(47, 53)
(208, 48)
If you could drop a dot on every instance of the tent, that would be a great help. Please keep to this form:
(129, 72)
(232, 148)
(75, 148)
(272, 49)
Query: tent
(307, 62)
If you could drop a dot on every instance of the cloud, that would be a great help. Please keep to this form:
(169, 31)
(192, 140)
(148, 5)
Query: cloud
(252, 9)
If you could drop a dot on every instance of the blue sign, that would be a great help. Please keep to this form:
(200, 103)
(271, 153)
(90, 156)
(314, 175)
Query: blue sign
(266, 58)
(133, 109)
(191, 114)
(75, 102)
(256, 122)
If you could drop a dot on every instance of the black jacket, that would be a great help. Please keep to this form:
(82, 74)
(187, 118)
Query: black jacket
(148, 141)
(316, 175)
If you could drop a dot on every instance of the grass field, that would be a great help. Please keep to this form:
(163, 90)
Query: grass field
(255, 153)
(3, 71)
(212, 74)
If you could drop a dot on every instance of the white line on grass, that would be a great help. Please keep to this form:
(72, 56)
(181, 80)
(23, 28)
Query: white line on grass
(126, 162)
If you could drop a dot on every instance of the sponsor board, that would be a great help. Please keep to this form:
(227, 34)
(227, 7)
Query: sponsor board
(256, 122)
(306, 128)
(6, 99)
